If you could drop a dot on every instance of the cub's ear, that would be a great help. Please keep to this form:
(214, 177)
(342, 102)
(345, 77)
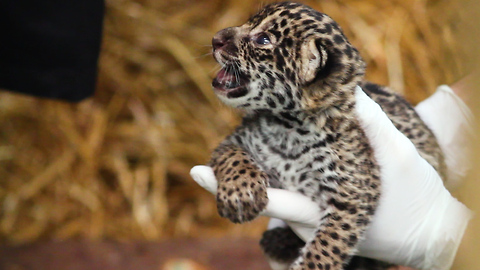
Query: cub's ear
(313, 58)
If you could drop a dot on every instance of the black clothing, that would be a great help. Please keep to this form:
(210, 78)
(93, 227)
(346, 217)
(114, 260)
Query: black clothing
(50, 48)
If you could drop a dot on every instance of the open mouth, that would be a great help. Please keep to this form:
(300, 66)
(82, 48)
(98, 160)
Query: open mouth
(230, 83)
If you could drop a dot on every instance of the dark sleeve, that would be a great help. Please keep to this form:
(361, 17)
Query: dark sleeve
(50, 48)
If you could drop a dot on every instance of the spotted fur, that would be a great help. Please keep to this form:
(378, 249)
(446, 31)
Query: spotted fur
(293, 72)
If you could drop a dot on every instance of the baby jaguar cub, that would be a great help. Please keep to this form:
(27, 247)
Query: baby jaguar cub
(293, 72)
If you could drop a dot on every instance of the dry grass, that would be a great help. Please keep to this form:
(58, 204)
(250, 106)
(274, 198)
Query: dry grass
(116, 166)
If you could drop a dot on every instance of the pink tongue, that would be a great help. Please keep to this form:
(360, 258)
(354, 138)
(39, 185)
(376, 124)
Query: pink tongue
(224, 77)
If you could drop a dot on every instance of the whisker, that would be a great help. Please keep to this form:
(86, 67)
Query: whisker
(236, 71)
(226, 67)
(204, 55)
(216, 69)
(229, 81)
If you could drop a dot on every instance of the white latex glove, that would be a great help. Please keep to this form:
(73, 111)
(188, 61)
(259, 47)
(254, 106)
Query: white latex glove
(452, 123)
(417, 224)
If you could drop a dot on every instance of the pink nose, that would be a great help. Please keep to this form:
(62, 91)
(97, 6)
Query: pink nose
(217, 43)
(222, 38)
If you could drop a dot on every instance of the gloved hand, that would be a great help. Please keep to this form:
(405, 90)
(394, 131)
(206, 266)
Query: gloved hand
(452, 123)
(417, 224)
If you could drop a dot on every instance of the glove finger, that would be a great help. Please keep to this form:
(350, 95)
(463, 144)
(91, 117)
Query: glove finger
(389, 144)
(451, 121)
(292, 207)
(275, 223)
(297, 210)
(205, 177)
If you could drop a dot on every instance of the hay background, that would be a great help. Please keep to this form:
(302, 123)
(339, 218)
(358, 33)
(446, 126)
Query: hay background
(116, 166)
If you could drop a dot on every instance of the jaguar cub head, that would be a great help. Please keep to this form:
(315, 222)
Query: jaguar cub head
(287, 57)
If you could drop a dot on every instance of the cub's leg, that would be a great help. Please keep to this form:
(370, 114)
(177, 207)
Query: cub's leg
(242, 186)
(334, 242)
(281, 246)
(350, 207)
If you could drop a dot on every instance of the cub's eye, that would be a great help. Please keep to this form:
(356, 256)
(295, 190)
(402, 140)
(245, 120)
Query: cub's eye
(262, 39)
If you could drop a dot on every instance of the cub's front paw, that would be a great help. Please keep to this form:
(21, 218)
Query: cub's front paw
(242, 195)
